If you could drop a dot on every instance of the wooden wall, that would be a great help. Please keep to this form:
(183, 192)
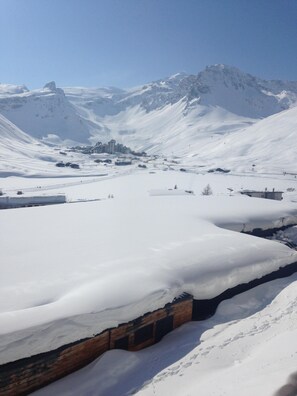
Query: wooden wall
(26, 375)
(180, 312)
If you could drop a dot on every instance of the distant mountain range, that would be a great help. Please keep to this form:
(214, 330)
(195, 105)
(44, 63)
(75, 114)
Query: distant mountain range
(180, 115)
(80, 114)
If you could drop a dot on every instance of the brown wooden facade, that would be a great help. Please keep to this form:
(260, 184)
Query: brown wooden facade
(26, 375)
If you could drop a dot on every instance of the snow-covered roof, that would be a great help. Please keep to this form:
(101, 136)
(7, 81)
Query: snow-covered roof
(71, 271)
(261, 191)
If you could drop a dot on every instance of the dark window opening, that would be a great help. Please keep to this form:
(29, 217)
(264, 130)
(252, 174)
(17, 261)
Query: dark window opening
(143, 334)
(163, 326)
(122, 343)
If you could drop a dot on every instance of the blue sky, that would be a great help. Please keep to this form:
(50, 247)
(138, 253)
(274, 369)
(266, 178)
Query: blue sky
(125, 43)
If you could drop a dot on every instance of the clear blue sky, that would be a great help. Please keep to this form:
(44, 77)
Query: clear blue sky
(129, 42)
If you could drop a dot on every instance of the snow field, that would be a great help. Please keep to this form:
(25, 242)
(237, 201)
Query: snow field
(68, 269)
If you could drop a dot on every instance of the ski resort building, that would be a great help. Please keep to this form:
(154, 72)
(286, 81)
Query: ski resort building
(276, 195)
(111, 146)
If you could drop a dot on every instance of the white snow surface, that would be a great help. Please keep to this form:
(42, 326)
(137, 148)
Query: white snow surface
(67, 270)
(21, 153)
(10, 89)
(174, 128)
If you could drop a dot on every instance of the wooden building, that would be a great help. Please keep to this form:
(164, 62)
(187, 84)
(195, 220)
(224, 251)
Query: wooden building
(26, 375)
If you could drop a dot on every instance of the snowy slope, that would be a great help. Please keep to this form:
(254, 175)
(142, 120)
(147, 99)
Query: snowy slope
(23, 155)
(269, 145)
(173, 129)
(202, 136)
(20, 153)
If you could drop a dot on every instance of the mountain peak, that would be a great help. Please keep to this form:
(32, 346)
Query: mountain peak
(222, 66)
(51, 86)
(226, 70)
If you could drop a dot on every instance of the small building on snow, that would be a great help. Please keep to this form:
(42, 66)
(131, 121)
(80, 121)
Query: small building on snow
(276, 195)
(7, 202)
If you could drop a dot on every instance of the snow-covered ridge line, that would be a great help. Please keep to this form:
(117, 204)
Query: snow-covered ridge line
(218, 93)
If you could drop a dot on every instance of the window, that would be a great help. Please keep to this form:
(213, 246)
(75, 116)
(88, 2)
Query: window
(143, 334)
(122, 343)
(163, 326)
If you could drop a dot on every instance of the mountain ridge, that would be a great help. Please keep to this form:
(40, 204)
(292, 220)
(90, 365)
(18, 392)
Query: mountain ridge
(85, 115)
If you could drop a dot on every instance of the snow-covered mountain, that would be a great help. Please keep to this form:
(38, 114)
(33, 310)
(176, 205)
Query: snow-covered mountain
(241, 93)
(219, 85)
(44, 113)
(219, 99)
